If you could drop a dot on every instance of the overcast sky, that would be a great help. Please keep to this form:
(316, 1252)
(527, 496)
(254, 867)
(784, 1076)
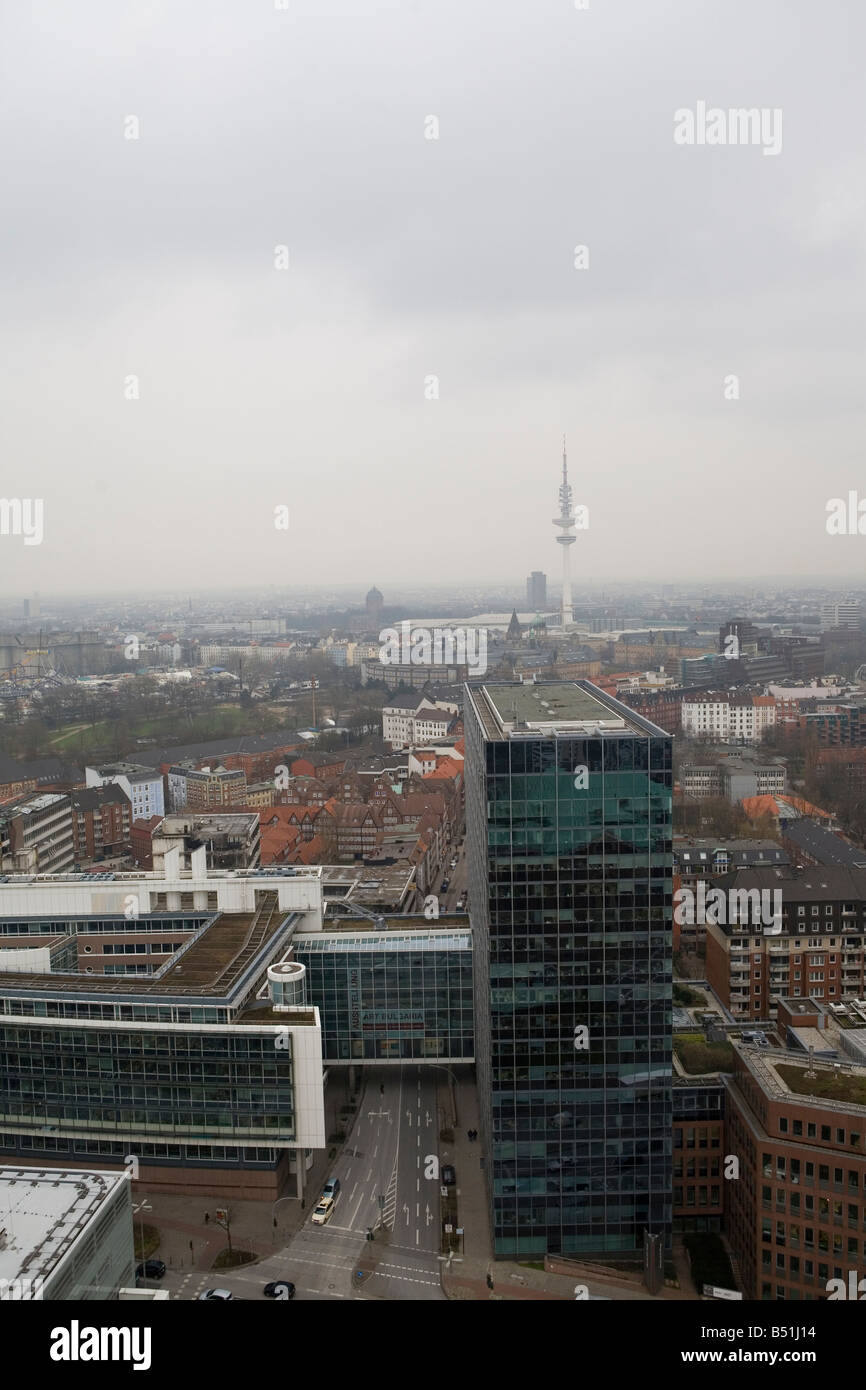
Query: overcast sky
(409, 258)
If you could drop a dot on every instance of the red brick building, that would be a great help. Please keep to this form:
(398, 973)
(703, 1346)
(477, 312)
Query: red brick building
(101, 823)
(796, 1210)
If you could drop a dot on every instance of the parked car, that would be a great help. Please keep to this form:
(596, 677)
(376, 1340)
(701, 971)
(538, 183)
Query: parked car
(150, 1269)
(331, 1188)
(449, 1177)
(323, 1212)
(279, 1288)
(221, 1294)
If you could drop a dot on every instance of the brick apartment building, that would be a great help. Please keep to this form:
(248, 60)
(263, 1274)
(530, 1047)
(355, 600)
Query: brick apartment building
(698, 1151)
(819, 952)
(101, 823)
(796, 1214)
(206, 788)
(842, 725)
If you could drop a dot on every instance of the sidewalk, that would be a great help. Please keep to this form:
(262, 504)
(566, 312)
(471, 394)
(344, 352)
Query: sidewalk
(188, 1242)
(467, 1279)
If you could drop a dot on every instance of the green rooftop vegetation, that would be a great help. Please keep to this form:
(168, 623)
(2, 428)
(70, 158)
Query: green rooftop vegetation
(826, 1085)
(699, 1057)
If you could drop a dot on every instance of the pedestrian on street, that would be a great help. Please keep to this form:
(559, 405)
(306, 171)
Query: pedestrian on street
(206, 1217)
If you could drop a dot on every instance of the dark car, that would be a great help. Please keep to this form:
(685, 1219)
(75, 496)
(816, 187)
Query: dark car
(280, 1288)
(150, 1269)
(446, 884)
(449, 1177)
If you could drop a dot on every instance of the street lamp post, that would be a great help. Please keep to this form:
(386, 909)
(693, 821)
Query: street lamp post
(277, 1203)
(437, 1066)
(137, 1207)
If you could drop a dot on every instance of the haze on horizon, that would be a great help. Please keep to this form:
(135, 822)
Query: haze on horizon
(411, 257)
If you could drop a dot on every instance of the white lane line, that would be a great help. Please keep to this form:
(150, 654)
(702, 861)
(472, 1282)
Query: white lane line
(404, 1279)
(357, 1209)
(417, 1184)
(369, 1175)
(375, 1151)
(417, 1237)
(417, 1209)
(354, 1190)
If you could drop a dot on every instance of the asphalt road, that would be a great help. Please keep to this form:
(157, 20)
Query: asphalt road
(390, 1153)
(457, 881)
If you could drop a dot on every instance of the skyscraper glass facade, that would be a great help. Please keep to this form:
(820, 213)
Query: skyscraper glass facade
(568, 799)
(393, 995)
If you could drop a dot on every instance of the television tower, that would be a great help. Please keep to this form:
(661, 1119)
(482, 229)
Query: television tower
(565, 521)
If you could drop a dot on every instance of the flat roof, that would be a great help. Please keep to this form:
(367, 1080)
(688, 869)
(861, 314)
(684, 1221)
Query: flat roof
(211, 964)
(44, 1211)
(549, 707)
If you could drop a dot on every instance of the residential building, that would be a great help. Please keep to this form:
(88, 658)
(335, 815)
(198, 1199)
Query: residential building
(720, 716)
(192, 788)
(101, 823)
(818, 953)
(142, 785)
(408, 720)
(809, 842)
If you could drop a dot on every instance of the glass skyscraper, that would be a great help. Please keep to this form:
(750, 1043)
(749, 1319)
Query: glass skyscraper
(568, 803)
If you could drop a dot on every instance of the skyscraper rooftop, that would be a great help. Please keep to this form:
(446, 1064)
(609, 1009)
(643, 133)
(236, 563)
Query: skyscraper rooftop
(550, 707)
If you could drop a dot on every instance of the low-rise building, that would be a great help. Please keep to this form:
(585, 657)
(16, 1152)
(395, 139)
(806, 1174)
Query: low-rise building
(68, 1234)
(193, 788)
(36, 834)
(142, 785)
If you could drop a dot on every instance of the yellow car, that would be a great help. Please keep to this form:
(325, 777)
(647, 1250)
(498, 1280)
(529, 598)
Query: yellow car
(323, 1212)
